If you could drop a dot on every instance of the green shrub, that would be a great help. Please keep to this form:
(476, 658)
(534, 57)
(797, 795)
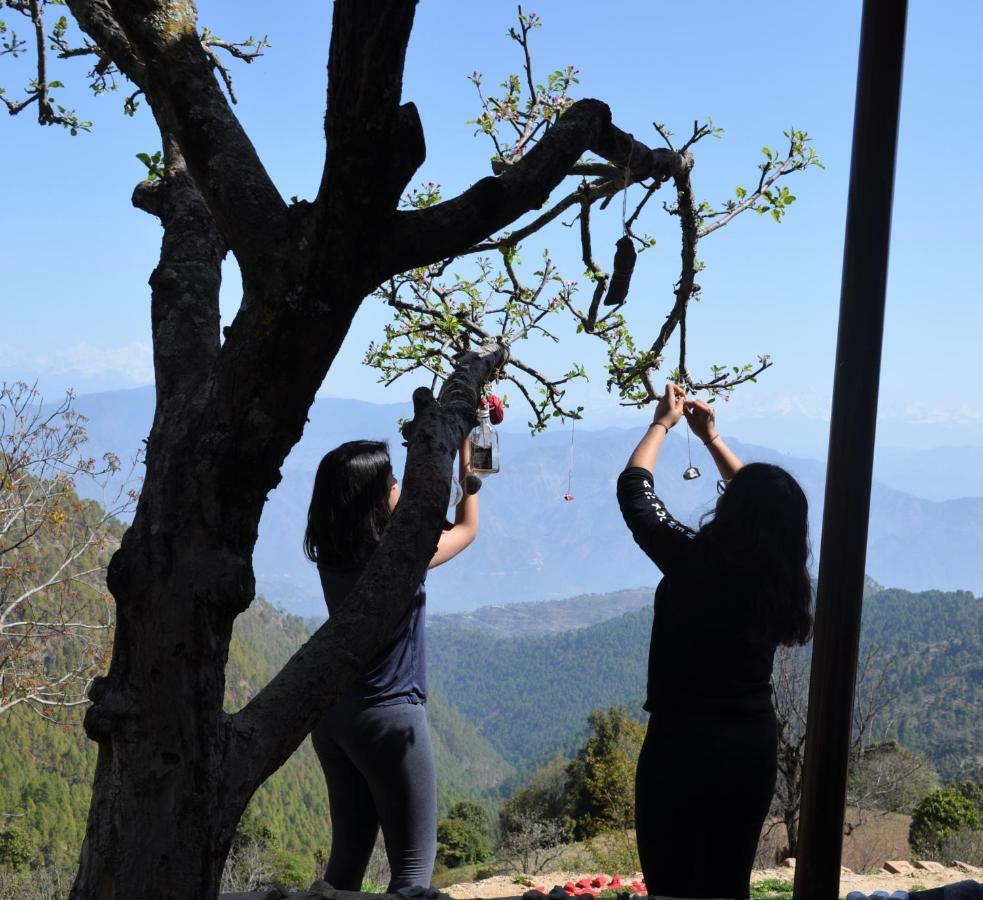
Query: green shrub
(938, 818)
(463, 836)
(16, 850)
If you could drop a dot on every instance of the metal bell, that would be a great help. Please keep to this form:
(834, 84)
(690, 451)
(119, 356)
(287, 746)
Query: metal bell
(691, 473)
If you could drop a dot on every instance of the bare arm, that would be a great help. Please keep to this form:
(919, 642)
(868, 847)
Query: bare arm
(667, 413)
(702, 422)
(465, 527)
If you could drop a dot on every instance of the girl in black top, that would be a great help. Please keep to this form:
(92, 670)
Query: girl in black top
(730, 594)
(374, 744)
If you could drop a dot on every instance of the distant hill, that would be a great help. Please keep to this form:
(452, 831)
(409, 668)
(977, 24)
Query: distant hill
(530, 695)
(535, 546)
(46, 769)
(548, 616)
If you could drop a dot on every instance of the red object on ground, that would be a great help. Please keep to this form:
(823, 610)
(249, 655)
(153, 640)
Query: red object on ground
(584, 882)
(569, 887)
(638, 887)
(616, 882)
(600, 881)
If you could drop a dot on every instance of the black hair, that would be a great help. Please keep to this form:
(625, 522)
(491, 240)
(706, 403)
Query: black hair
(760, 533)
(349, 505)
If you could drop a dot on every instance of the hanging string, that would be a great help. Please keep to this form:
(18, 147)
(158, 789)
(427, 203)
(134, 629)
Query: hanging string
(691, 470)
(624, 253)
(624, 193)
(569, 494)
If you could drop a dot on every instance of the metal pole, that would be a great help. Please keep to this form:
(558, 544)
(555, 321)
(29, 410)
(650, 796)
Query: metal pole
(849, 471)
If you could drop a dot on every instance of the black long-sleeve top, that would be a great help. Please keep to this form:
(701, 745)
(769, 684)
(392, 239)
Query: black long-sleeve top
(703, 655)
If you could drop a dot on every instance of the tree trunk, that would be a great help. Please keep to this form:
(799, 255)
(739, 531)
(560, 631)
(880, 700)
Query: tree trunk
(174, 771)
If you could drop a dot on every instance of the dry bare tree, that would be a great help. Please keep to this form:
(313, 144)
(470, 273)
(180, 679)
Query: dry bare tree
(174, 771)
(883, 777)
(54, 547)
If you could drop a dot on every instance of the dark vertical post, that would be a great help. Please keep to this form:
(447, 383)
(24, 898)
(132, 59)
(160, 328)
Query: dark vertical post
(851, 449)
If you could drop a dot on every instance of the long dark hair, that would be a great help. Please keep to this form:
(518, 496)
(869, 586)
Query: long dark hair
(349, 505)
(760, 534)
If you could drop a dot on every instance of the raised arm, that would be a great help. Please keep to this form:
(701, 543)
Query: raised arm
(667, 413)
(465, 527)
(702, 422)
(664, 540)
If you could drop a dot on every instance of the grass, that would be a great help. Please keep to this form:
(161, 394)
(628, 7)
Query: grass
(771, 889)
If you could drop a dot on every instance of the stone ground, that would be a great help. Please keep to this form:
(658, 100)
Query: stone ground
(503, 886)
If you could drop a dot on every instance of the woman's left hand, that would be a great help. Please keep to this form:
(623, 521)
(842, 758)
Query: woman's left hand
(670, 407)
(702, 420)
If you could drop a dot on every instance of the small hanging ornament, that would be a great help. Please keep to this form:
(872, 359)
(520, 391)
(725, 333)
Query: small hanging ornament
(496, 409)
(691, 470)
(568, 495)
(624, 265)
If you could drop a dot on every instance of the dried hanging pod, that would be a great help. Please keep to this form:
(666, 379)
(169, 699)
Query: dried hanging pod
(624, 265)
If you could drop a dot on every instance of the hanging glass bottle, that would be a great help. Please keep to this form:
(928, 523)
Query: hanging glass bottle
(483, 442)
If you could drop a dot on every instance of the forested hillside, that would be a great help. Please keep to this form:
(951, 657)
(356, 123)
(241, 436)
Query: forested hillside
(46, 768)
(501, 704)
(936, 640)
(530, 696)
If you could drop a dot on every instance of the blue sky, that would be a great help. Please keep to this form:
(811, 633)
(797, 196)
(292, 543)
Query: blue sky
(76, 256)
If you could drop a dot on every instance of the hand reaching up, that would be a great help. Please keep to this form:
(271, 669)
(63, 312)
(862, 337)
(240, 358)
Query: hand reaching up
(701, 419)
(670, 407)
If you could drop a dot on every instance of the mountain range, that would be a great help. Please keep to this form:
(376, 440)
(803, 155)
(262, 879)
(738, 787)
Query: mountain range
(535, 546)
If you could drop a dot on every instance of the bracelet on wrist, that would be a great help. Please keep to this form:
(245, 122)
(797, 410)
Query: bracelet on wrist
(709, 442)
(663, 424)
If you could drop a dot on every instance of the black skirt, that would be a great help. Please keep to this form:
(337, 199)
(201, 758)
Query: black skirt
(703, 788)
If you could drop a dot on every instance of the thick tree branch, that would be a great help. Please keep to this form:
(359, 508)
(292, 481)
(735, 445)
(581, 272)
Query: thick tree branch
(688, 223)
(268, 729)
(184, 309)
(175, 73)
(421, 237)
(374, 145)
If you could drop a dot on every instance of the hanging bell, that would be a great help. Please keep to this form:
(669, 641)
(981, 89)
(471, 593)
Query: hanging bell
(691, 473)
(624, 265)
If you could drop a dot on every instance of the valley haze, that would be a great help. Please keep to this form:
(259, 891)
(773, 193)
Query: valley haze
(926, 526)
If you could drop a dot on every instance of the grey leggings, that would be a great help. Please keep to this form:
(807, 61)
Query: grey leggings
(378, 763)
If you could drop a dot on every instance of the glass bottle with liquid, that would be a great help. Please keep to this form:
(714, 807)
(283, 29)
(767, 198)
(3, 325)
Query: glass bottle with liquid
(483, 444)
